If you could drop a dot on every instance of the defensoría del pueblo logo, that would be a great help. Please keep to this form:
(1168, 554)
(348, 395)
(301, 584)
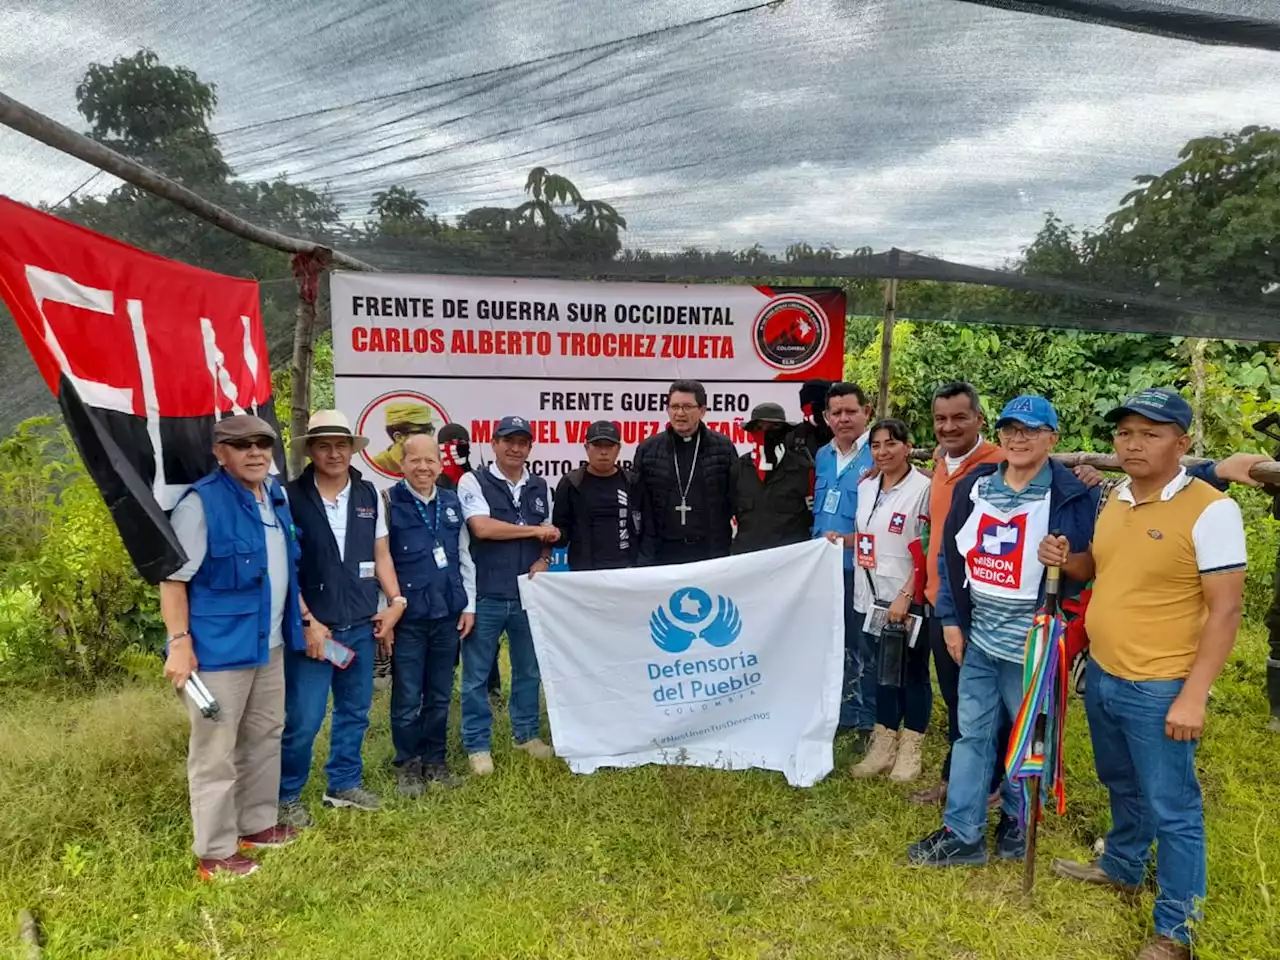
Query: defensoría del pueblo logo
(699, 683)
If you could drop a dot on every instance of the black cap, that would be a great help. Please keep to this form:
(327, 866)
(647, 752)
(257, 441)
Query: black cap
(763, 413)
(451, 432)
(603, 431)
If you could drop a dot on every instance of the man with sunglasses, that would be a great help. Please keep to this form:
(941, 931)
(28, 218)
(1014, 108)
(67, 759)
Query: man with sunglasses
(230, 611)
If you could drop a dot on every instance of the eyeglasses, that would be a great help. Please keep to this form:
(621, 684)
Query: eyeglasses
(262, 443)
(1021, 432)
(683, 407)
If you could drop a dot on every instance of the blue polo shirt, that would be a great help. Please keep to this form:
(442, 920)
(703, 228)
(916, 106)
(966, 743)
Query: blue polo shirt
(835, 490)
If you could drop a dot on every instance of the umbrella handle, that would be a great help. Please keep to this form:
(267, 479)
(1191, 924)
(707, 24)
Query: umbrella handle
(1053, 582)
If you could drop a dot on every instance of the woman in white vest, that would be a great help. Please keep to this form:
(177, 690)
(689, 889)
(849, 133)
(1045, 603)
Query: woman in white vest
(893, 508)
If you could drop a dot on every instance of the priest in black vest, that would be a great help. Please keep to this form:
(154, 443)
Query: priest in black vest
(682, 477)
(432, 550)
(342, 535)
(772, 485)
(508, 511)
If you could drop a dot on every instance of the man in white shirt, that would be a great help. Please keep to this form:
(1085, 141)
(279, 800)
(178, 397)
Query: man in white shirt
(508, 511)
(345, 558)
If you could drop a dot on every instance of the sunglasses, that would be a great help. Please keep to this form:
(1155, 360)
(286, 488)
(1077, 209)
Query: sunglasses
(262, 443)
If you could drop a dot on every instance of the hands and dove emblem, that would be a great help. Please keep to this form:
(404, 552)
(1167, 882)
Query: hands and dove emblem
(689, 615)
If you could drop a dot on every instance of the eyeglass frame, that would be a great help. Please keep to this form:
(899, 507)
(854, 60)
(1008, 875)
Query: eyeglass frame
(1013, 431)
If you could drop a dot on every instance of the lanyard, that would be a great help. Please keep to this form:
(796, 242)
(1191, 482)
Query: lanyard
(431, 526)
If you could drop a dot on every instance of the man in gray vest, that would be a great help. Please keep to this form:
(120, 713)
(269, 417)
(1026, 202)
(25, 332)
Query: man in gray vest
(508, 511)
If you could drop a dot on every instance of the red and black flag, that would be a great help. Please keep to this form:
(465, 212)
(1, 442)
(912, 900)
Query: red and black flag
(143, 354)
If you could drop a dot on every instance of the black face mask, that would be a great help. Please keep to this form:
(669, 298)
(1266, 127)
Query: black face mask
(464, 450)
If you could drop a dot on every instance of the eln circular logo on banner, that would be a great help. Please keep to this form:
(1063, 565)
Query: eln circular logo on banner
(389, 420)
(791, 333)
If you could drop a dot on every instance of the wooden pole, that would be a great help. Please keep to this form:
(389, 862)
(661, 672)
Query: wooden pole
(307, 270)
(886, 346)
(36, 125)
(1267, 472)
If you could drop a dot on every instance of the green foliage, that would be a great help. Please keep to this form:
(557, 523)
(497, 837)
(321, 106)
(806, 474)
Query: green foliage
(71, 604)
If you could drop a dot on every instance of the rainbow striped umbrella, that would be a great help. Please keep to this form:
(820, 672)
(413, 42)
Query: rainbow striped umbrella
(1036, 745)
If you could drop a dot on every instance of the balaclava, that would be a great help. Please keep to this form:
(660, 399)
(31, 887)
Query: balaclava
(455, 450)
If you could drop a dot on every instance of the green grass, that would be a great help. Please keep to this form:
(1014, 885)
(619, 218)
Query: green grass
(659, 862)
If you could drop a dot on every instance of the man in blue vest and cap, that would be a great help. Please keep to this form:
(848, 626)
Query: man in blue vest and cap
(230, 611)
(342, 533)
(508, 511)
(432, 549)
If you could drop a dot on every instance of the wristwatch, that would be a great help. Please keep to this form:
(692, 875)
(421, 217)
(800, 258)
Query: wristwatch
(402, 601)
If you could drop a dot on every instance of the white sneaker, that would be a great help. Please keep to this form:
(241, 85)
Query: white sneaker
(537, 748)
(481, 763)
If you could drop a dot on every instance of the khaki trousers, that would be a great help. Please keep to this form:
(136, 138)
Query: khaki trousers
(233, 762)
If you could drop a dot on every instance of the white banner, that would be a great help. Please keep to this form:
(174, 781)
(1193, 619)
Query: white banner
(413, 351)
(725, 663)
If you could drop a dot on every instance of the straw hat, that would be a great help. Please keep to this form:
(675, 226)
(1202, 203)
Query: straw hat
(327, 424)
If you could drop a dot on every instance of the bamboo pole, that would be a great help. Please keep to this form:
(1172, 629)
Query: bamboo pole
(1266, 472)
(36, 125)
(886, 346)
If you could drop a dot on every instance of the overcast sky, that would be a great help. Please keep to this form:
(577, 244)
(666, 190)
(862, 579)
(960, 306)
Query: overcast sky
(931, 125)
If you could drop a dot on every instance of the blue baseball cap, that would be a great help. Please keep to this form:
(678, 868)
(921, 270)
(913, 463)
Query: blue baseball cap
(514, 427)
(1156, 403)
(1030, 411)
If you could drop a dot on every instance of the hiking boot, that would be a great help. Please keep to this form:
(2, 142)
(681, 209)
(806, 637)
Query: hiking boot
(881, 754)
(935, 794)
(281, 835)
(481, 763)
(1162, 948)
(906, 768)
(942, 848)
(409, 780)
(357, 797)
(229, 868)
(1011, 839)
(537, 748)
(293, 814)
(437, 774)
(1090, 873)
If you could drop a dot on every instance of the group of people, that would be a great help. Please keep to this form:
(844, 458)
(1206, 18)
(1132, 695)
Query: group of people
(289, 591)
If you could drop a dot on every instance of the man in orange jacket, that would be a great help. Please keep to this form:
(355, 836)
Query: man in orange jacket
(957, 425)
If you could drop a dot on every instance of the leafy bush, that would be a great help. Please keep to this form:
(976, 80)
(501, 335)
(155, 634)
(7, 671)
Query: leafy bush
(71, 604)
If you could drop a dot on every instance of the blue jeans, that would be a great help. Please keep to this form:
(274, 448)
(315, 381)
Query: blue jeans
(422, 667)
(493, 617)
(1155, 796)
(307, 684)
(986, 684)
(858, 691)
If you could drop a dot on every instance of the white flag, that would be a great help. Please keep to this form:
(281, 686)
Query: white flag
(725, 663)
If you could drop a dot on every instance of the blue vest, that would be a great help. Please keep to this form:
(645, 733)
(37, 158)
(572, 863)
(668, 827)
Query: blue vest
(331, 584)
(500, 562)
(840, 490)
(230, 595)
(432, 592)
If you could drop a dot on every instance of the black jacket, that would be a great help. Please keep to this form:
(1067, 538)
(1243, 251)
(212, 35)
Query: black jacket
(810, 437)
(656, 484)
(571, 514)
(776, 511)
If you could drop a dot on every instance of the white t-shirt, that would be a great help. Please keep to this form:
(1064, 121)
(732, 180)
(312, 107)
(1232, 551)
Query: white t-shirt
(471, 494)
(953, 463)
(891, 519)
(335, 511)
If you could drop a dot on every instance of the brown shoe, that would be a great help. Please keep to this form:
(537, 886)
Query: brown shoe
(936, 794)
(1089, 873)
(231, 868)
(1162, 948)
(281, 835)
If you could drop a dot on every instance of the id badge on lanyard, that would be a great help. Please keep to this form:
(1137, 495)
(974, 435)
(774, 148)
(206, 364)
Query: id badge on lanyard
(441, 558)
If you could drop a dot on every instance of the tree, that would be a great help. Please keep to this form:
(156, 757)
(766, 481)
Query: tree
(1209, 225)
(156, 114)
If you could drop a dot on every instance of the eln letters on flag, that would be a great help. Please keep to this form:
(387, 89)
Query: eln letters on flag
(727, 663)
(143, 354)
